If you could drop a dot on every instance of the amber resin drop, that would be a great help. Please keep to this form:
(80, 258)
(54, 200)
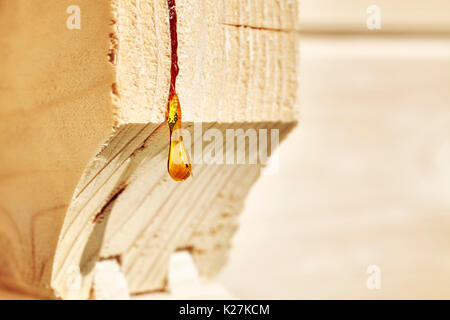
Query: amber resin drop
(178, 164)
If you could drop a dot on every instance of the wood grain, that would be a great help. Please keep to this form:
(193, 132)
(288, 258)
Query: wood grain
(82, 115)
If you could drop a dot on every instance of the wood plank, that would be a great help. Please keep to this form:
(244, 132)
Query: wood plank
(185, 283)
(83, 122)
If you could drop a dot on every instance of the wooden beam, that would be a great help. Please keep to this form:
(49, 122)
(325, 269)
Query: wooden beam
(184, 282)
(82, 118)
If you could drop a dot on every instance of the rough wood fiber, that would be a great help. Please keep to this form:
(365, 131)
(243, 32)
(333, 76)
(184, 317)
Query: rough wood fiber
(82, 115)
(184, 282)
(55, 97)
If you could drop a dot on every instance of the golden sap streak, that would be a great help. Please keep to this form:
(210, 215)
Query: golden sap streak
(178, 164)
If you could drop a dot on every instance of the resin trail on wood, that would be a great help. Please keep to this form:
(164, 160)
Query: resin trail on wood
(178, 163)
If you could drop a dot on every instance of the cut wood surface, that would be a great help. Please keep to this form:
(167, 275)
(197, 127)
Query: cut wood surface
(185, 283)
(109, 281)
(82, 115)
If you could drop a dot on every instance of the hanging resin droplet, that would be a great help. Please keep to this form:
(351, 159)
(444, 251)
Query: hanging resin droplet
(178, 164)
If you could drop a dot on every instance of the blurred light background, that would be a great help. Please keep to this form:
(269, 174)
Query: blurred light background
(365, 177)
